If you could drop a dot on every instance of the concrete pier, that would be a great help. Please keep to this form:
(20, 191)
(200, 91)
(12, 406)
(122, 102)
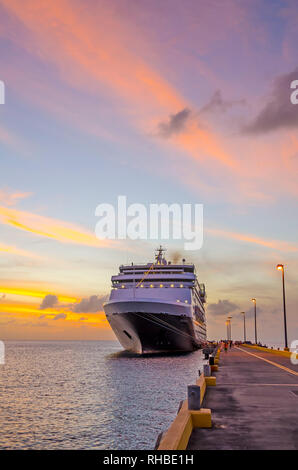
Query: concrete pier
(254, 404)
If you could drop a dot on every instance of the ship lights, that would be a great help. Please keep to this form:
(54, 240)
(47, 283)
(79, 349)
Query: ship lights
(172, 285)
(181, 285)
(151, 285)
(161, 285)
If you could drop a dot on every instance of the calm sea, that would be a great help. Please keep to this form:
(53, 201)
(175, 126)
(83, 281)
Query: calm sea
(88, 395)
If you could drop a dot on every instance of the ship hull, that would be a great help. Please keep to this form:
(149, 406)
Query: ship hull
(147, 327)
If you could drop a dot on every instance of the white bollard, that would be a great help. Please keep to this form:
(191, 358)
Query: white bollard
(194, 397)
(207, 370)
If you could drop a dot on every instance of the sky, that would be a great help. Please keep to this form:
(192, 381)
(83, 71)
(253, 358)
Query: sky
(164, 102)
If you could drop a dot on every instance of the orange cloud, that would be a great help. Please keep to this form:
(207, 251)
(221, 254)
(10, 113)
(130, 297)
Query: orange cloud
(90, 57)
(27, 310)
(50, 228)
(10, 198)
(70, 37)
(17, 251)
(275, 244)
(197, 141)
(98, 53)
(34, 293)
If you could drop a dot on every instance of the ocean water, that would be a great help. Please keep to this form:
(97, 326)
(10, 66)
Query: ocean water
(89, 395)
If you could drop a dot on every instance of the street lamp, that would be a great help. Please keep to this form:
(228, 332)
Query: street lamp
(280, 267)
(230, 326)
(244, 328)
(255, 302)
(227, 324)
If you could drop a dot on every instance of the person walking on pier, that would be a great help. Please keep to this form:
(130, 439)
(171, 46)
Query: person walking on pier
(226, 346)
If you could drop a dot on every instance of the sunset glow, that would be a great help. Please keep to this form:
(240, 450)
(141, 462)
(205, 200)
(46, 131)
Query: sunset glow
(163, 104)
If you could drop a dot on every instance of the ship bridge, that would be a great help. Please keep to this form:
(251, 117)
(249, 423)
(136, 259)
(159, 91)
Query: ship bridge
(161, 274)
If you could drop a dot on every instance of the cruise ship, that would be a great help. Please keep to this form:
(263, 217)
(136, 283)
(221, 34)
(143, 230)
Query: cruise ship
(157, 307)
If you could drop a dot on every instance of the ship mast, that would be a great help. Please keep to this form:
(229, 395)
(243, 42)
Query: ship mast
(159, 258)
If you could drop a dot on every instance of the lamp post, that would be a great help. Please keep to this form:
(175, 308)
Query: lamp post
(280, 267)
(227, 325)
(244, 327)
(255, 303)
(230, 327)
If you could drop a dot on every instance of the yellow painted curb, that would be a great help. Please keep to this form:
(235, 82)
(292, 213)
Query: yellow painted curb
(210, 381)
(273, 351)
(178, 434)
(201, 382)
(216, 361)
(201, 418)
(214, 368)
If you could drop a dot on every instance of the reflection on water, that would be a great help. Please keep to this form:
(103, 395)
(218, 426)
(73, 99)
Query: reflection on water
(89, 395)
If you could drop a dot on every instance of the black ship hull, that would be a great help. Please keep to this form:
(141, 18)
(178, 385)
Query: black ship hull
(144, 332)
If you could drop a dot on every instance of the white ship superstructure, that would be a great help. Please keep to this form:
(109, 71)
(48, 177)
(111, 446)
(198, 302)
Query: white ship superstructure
(157, 307)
